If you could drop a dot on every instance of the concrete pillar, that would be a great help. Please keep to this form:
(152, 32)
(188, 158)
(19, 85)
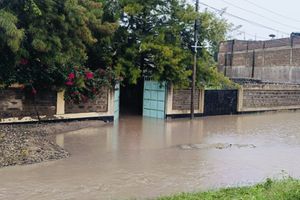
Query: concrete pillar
(60, 103)
(240, 99)
(201, 100)
(169, 99)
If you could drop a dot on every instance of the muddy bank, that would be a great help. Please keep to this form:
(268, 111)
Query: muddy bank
(34, 143)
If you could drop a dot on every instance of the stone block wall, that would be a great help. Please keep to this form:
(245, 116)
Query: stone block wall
(100, 104)
(16, 103)
(265, 97)
(18, 106)
(182, 99)
(178, 101)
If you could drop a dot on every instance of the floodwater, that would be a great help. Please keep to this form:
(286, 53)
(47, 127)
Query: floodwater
(145, 158)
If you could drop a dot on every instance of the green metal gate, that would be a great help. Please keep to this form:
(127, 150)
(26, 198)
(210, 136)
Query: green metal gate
(154, 99)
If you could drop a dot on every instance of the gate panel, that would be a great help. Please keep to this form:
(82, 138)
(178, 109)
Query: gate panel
(154, 100)
(220, 102)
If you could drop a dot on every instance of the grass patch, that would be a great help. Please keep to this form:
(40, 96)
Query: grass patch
(288, 189)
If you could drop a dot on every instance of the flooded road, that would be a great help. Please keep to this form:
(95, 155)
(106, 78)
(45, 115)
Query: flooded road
(145, 158)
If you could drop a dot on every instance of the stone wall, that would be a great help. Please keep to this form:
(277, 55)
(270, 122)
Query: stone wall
(265, 97)
(16, 103)
(18, 106)
(272, 60)
(179, 101)
(182, 99)
(100, 104)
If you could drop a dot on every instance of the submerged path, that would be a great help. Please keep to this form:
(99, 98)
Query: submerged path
(145, 158)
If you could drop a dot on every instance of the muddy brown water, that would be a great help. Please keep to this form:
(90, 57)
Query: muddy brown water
(145, 158)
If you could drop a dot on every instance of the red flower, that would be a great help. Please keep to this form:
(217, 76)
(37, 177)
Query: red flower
(69, 83)
(89, 75)
(24, 61)
(71, 76)
(33, 91)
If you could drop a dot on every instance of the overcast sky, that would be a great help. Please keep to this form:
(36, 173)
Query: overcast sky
(281, 17)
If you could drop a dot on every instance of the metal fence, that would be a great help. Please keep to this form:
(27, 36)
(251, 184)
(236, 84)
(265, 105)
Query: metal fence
(220, 102)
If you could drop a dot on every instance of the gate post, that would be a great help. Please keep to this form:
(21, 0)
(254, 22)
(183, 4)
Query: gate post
(60, 103)
(201, 100)
(240, 99)
(169, 98)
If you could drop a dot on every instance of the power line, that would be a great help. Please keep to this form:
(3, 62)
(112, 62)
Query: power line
(243, 19)
(260, 15)
(271, 11)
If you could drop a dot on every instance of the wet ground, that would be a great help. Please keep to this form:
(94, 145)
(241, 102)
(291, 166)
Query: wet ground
(146, 158)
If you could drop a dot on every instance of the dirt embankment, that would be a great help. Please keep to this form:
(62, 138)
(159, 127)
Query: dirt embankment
(34, 143)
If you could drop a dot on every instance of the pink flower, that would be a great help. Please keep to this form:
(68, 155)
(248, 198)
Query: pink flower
(69, 83)
(33, 91)
(71, 76)
(89, 75)
(24, 61)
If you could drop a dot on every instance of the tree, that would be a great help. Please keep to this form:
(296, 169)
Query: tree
(40, 40)
(212, 31)
(148, 42)
(10, 39)
(100, 54)
(155, 40)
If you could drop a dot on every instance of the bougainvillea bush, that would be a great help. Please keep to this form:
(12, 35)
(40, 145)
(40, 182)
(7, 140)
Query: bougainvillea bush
(40, 39)
(82, 84)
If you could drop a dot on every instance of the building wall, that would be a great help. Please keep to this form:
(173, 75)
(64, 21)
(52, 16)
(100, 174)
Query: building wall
(182, 99)
(15, 103)
(179, 101)
(18, 106)
(264, 97)
(100, 104)
(273, 60)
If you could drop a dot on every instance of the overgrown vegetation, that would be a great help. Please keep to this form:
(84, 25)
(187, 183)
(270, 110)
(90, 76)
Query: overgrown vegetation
(288, 189)
(41, 40)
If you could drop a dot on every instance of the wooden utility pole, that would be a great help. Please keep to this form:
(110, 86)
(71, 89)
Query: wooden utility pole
(195, 62)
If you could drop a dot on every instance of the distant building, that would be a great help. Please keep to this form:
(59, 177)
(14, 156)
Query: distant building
(275, 60)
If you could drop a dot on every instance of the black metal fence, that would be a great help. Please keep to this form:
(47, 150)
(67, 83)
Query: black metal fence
(220, 102)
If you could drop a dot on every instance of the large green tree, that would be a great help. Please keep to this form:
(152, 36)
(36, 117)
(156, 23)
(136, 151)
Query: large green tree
(149, 42)
(155, 40)
(41, 39)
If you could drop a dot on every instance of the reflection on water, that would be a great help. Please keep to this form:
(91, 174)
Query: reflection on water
(141, 158)
(60, 140)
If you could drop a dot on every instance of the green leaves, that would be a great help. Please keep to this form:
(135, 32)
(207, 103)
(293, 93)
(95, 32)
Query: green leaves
(50, 35)
(10, 35)
(134, 38)
(31, 7)
(133, 9)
